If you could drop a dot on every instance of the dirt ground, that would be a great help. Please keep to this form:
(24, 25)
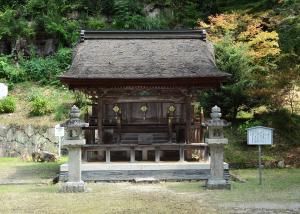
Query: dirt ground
(27, 188)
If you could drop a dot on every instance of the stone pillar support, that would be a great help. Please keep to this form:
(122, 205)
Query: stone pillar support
(73, 142)
(144, 155)
(216, 142)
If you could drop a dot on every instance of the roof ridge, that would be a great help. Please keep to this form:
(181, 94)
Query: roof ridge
(142, 34)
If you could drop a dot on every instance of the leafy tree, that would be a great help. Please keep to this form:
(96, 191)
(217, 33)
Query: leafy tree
(233, 96)
(289, 31)
(247, 52)
(108, 8)
(13, 25)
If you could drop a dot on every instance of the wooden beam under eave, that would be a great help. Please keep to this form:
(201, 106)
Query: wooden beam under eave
(130, 99)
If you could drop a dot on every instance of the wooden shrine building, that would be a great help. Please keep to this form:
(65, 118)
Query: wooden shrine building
(142, 85)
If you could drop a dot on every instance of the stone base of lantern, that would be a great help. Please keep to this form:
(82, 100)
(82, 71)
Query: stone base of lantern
(73, 187)
(217, 184)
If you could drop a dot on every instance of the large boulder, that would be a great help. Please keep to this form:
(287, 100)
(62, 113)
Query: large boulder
(44, 156)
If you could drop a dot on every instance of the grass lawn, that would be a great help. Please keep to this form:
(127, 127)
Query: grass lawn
(14, 170)
(280, 193)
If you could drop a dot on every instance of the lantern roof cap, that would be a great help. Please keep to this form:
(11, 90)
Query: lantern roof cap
(74, 121)
(216, 120)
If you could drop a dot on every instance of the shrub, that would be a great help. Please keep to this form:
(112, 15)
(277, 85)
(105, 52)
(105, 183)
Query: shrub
(80, 99)
(96, 23)
(286, 126)
(40, 106)
(248, 124)
(61, 112)
(33, 94)
(238, 158)
(7, 105)
(10, 72)
(63, 57)
(46, 70)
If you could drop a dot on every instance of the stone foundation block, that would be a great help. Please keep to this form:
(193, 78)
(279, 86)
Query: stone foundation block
(73, 187)
(217, 184)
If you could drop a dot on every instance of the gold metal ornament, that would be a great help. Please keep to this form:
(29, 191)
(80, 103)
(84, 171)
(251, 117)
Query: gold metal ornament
(116, 109)
(172, 109)
(144, 109)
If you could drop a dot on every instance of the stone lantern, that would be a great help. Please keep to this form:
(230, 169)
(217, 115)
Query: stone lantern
(73, 141)
(216, 142)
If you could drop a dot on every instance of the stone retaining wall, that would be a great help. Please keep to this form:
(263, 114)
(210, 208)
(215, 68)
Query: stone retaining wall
(16, 140)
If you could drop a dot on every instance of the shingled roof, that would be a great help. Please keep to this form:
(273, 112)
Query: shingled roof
(143, 57)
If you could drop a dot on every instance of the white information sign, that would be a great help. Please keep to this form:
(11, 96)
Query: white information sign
(3, 90)
(259, 135)
(59, 131)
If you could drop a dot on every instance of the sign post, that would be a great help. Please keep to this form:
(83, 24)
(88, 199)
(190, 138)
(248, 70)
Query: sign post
(259, 135)
(59, 132)
(3, 90)
(259, 164)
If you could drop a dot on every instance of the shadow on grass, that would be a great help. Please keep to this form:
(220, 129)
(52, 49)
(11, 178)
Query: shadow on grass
(194, 186)
(15, 169)
(44, 189)
(29, 188)
(35, 171)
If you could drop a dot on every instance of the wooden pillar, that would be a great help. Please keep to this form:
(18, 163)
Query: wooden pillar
(202, 128)
(93, 121)
(170, 124)
(119, 128)
(161, 117)
(197, 138)
(100, 118)
(188, 118)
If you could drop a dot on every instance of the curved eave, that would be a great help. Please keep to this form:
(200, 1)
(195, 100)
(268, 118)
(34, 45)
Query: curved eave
(187, 82)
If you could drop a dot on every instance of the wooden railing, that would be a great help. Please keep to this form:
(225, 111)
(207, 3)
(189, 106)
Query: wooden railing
(181, 147)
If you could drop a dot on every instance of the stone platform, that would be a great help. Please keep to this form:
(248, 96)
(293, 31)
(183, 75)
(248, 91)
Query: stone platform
(125, 171)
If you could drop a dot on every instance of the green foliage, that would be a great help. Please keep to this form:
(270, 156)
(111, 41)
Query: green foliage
(186, 13)
(13, 25)
(42, 70)
(289, 31)
(232, 58)
(268, 158)
(33, 94)
(129, 14)
(61, 112)
(108, 7)
(286, 126)
(7, 105)
(139, 22)
(63, 57)
(248, 124)
(95, 23)
(40, 106)
(80, 99)
(46, 70)
(11, 72)
(238, 158)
